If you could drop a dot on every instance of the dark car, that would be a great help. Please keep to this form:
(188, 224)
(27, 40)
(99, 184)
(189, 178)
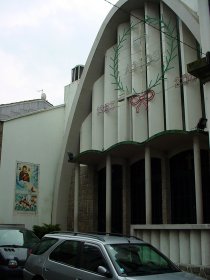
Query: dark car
(15, 246)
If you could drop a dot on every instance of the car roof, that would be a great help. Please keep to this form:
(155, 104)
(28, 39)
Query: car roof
(105, 238)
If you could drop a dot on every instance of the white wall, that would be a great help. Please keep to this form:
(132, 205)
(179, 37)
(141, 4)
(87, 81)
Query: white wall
(98, 118)
(193, 4)
(110, 129)
(86, 135)
(37, 139)
(69, 94)
(141, 56)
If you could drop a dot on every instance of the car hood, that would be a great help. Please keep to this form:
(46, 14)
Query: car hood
(167, 276)
(18, 253)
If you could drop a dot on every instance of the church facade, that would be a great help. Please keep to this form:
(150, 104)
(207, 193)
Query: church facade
(128, 152)
(138, 126)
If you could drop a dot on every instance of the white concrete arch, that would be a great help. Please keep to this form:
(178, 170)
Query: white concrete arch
(81, 106)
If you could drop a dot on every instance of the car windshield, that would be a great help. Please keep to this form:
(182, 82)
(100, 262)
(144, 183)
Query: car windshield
(139, 259)
(17, 237)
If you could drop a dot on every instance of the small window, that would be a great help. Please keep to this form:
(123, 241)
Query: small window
(43, 245)
(66, 253)
(92, 258)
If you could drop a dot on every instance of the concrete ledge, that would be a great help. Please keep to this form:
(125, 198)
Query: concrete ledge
(171, 226)
(183, 243)
(202, 271)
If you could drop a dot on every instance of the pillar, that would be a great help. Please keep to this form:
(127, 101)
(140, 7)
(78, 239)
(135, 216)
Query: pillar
(166, 191)
(126, 199)
(204, 23)
(108, 194)
(198, 180)
(76, 196)
(148, 186)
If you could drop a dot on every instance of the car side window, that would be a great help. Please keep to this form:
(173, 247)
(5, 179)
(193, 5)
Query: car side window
(67, 252)
(92, 258)
(43, 245)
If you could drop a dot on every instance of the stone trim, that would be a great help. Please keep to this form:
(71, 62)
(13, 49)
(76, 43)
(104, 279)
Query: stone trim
(202, 271)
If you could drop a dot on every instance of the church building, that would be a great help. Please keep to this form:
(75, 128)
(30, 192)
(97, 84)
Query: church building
(128, 152)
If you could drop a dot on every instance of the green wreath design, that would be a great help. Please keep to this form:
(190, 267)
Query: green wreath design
(170, 53)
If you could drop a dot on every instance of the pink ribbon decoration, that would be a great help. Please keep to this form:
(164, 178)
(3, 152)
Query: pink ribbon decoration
(106, 108)
(144, 98)
(184, 79)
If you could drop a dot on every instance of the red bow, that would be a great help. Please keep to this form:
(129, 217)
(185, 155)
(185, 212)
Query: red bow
(144, 98)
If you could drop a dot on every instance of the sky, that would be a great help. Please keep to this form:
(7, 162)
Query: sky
(41, 41)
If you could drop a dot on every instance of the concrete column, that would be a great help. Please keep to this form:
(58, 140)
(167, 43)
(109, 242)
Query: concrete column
(126, 199)
(174, 246)
(205, 247)
(76, 196)
(108, 194)
(198, 180)
(204, 23)
(184, 246)
(92, 214)
(94, 181)
(164, 242)
(195, 247)
(166, 191)
(148, 186)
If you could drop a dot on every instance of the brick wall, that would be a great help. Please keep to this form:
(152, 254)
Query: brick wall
(87, 201)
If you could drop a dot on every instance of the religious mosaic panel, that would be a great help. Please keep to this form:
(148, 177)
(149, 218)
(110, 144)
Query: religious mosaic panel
(26, 187)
